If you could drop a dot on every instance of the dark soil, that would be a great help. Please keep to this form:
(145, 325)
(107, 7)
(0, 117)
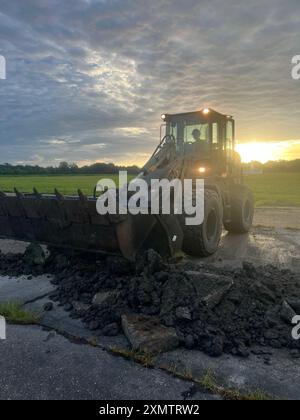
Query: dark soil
(254, 315)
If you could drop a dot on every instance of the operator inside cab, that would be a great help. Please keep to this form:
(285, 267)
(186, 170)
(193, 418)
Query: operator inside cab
(200, 144)
(196, 135)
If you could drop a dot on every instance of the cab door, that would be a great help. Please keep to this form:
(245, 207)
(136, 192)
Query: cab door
(230, 146)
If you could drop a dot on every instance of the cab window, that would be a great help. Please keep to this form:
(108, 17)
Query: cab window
(173, 130)
(215, 133)
(229, 135)
(196, 133)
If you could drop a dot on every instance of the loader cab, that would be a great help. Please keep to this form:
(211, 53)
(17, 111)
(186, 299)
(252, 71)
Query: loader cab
(205, 136)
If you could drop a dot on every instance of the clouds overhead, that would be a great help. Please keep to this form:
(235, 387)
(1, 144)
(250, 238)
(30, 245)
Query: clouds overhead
(88, 80)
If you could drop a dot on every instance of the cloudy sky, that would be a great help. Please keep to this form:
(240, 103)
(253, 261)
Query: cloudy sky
(87, 80)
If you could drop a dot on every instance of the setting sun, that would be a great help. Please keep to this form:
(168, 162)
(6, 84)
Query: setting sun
(263, 151)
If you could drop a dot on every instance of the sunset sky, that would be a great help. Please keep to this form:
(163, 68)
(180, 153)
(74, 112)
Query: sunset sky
(87, 80)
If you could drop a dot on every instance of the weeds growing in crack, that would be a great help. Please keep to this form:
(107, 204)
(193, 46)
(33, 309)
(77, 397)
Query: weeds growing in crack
(14, 313)
(145, 359)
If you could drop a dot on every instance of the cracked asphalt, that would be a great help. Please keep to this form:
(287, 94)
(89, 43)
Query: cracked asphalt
(39, 365)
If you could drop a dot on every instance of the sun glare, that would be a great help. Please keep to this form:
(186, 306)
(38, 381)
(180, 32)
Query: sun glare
(261, 151)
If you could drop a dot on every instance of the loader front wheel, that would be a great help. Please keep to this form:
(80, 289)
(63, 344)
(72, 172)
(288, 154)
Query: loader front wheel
(203, 240)
(242, 210)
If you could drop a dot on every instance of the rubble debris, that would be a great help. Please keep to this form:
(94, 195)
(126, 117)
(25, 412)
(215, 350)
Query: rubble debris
(241, 311)
(287, 313)
(34, 255)
(149, 263)
(294, 304)
(183, 313)
(102, 298)
(210, 288)
(148, 335)
(111, 330)
(80, 308)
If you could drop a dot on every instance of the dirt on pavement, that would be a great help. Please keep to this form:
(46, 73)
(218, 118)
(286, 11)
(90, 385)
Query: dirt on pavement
(253, 312)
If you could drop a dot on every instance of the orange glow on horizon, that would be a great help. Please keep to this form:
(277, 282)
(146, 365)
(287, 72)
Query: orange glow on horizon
(250, 151)
(266, 151)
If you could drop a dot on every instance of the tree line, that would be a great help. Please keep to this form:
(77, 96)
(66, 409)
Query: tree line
(274, 166)
(65, 168)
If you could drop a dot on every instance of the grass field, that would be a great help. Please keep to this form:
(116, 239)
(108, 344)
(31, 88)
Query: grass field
(269, 189)
(66, 184)
(275, 190)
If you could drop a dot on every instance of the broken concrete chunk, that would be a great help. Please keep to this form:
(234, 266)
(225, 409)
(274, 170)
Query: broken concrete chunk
(80, 307)
(183, 313)
(295, 304)
(262, 292)
(34, 255)
(104, 297)
(150, 263)
(287, 313)
(146, 334)
(210, 288)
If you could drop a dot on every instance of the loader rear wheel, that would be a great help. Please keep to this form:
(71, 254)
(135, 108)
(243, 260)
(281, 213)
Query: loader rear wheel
(242, 210)
(203, 240)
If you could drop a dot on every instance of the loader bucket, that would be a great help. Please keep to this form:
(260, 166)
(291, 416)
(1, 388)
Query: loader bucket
(73, 222)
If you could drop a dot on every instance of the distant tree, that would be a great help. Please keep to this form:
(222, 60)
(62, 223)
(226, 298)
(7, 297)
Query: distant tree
(110, 168)
(63, 166)
(73, 166)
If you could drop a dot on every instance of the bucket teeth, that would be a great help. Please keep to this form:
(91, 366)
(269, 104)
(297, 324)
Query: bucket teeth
(18, 194)
(82, 196)
(58, 195)
(36, 193)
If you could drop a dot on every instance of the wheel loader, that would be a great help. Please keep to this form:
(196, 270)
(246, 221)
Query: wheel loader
(192, 145)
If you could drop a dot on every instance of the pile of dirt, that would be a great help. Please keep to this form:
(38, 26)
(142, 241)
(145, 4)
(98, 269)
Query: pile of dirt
(31, 263)
(215, 310)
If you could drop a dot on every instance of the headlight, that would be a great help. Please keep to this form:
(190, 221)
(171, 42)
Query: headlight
(163, 117)
(206, 111)
(202, 170)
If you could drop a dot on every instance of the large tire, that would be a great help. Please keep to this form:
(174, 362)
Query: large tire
(242, 210)
(203, 240)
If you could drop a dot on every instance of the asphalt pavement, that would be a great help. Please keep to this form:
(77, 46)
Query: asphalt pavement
(42, 365)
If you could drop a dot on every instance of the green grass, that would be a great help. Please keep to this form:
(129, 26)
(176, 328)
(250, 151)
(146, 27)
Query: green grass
(66, 184)
(209, 384)
(145, 359)
(269, 189)
(14, 313)
(275, 190)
